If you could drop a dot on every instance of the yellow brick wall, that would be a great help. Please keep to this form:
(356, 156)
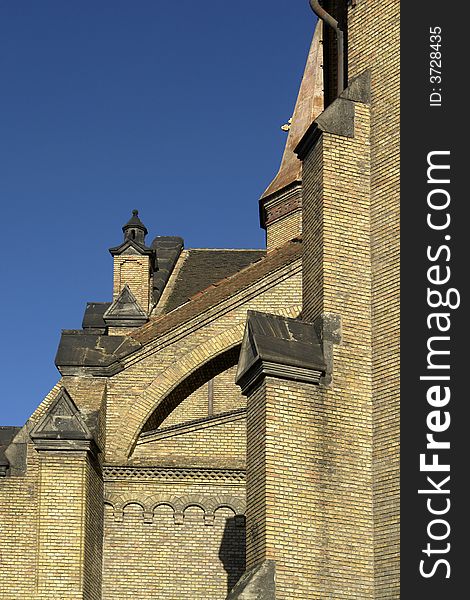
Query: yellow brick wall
(210, 445)
(131, 395)
(226, 397)
(223, 444)
(337, 279)
(135, 272)
(347, 433)
(194, 407)
(93, 534)
(295, 531)
(256, 500)
(190, 545)
(303, 509)
(19, 500)
(152, 374)
(69, 552)
(152, 561)
(281, 231)
(313, 227)
(374, 42)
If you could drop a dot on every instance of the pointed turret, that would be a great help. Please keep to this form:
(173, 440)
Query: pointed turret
(134, 262)
(281, 203)
(134, 237)
(134, 229)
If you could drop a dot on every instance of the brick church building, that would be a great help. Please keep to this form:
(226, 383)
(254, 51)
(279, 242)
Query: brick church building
(227, 424)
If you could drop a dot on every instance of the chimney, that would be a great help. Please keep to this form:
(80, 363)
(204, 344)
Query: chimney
(134, 263)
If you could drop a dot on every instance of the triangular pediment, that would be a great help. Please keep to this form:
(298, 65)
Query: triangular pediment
(131, 247)
(125, 311)
(62, 421)
(130, 251)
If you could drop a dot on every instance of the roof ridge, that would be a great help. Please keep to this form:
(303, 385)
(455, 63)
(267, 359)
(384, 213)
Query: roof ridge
(229, 249)
(217, 293)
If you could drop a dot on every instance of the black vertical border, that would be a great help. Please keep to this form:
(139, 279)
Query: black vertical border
(426, 128)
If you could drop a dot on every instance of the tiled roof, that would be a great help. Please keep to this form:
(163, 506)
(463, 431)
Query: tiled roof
(220, 291)
(203, 267)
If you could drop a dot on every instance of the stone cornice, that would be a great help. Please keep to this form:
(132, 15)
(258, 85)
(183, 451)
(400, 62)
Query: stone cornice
(261, 369)
(49, 445)
(279, 347)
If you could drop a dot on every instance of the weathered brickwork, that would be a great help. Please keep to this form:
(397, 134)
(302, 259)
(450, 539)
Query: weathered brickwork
(313, 234)
(149, 503)
(284, 229)
(224, 396)
(286, 475)
(134, 393)
(227, 395)
(93, 538)
(19, 500)
(169, 362)
(135, 272)
(195, 406)
(222, 444)
(70, 533)
(190, 559)
(165, 521)
(374, 43)
(336, 180)
(256, 477)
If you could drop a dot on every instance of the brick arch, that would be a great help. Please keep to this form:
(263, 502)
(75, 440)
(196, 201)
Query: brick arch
(235, 503)
(152, 502)
(208, 504)
(162, 386)
(190, 500)
(185, 366)
(190, 384)
(133, 501)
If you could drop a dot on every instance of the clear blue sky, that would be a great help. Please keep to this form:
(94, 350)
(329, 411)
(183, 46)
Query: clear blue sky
(173, 108)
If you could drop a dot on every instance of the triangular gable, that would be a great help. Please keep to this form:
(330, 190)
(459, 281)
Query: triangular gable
(62, 421)
(129, 246)
(125, 311)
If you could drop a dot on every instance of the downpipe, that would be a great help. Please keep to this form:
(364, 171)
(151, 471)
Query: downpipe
(333, 23)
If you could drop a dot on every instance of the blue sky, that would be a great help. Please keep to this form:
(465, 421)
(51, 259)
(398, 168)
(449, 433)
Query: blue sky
(173, 108)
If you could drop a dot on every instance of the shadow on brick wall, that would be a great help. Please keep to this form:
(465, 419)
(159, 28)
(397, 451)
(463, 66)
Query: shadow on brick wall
(232, 550)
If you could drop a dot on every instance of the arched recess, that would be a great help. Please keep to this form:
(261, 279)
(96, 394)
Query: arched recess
(190, 384)
(185, 366)
(209, 504)
(190, 369)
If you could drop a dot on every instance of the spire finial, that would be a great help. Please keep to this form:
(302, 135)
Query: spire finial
(134, 229)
